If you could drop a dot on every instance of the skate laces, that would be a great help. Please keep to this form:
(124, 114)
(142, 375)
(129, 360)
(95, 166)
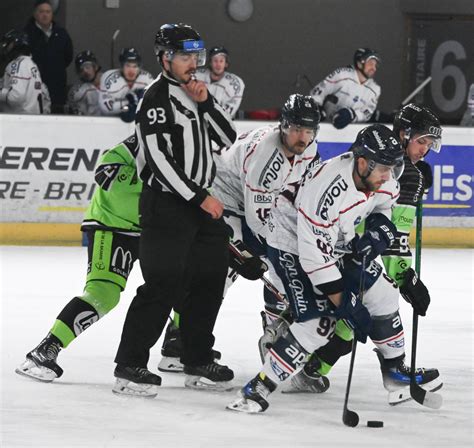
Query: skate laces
(47, 351)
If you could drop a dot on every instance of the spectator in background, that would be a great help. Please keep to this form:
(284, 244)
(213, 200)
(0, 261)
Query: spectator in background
(83, 98)
(22, 91)
(349, 94)
(122, 88)
(51, 48)
(468, 117)
(224, 86)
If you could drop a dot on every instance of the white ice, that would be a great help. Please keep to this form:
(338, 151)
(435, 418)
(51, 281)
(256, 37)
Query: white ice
(79, 409)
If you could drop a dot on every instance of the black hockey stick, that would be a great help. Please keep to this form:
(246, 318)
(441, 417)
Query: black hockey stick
(420, 395)
(351, 418)
(268, 284)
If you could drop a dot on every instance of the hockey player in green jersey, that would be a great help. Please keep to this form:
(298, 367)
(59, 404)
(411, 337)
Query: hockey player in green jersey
(419, 131)
(111, 225)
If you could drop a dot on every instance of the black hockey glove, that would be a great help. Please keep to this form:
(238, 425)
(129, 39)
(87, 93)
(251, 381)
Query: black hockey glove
(379, 235)
(128, 115)
(246, 264)
(356, 315)
(425, 170)
(343, 117)
(139, 94)
(415, 292)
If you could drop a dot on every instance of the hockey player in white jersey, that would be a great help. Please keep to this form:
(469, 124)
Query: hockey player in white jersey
(312, 243)
(227, 88)
(249, 175)
(350, 94)
(83, 97)
(122, 88)
(23, 91)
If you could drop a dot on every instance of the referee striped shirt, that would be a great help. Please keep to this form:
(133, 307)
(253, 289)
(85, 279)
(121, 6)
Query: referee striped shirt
(174, 133)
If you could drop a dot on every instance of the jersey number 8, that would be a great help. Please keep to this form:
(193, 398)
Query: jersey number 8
(156, 115)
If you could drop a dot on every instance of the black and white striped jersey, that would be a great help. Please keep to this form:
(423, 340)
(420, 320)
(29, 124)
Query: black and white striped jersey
(175, 134)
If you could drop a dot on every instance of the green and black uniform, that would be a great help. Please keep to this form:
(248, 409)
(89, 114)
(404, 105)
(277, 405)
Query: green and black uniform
(111, 225)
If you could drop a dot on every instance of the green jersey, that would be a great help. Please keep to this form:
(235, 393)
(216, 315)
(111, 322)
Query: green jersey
(114, 205)
(397, 259)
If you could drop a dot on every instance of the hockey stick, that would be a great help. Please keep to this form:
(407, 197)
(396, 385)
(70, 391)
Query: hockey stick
(420, 395)
(268, 284)
(351, 418)
(112, 47)
(420, 87)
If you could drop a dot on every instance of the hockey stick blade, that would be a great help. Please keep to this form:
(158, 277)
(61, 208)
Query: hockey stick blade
(350, 418)
(425, 398)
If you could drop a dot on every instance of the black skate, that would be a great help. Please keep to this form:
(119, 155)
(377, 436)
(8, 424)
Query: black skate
(253, 396)
(172, 349)
(396, 379)
(211, 376)
(40, 363)
(308, 379)
(137, 381)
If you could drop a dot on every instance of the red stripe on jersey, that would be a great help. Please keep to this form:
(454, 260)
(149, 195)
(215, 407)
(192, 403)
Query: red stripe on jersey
(288, 367)
(21, 77)
(318, 269)
(383, 341)
(335, 220)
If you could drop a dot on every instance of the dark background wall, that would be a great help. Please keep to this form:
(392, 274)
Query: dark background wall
(283, 45)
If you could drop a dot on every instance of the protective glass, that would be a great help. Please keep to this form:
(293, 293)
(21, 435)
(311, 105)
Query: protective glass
(199, 56)
(380, 169)
(296, 129)
(432, 142)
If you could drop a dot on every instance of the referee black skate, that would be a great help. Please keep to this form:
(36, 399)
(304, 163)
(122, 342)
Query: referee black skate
(184, 241)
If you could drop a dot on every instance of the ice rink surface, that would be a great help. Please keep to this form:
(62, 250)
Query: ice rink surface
(79, 409)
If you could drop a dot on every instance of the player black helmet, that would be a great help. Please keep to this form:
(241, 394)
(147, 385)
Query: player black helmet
(378, 144)
(218, 50)
(415, 119)
(83, 57)
(130, 55)
(13, 44)
(362, 55)
(300, 110)
(174, 38)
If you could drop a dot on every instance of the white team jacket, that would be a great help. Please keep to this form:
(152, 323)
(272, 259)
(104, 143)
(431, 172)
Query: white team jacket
(83, 99)
(344, 85)
(253, 170)
(324, 216)
(23, 92)
(227, 91)
(114, 88)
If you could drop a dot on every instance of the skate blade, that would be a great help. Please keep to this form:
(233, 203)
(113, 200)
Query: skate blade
(168, 364)
(38, 373)
(244, 406)
(202, 383)
(403, 395)
(126, 387)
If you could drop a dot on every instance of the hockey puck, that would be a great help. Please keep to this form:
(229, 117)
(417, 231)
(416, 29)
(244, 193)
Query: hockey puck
(375, 424)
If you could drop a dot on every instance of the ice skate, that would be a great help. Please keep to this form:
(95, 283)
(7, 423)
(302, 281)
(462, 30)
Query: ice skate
(211, 376)
(307, 382)
(40, 363)
(136, 381)
(253, 396)
(396, 380)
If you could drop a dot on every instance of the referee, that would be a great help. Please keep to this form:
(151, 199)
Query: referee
(184, 241)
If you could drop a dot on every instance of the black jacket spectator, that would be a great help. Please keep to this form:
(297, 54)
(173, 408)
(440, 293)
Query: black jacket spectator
(52, 55)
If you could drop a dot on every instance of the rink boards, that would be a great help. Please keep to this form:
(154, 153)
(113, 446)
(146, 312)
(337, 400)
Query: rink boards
(47, 165)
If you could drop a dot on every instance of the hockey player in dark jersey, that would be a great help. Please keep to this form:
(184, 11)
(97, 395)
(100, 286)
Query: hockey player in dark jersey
(419, 131)
(111, 224)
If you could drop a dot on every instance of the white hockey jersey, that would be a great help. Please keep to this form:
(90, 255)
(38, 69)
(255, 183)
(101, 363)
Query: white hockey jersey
(321, 222)
(468, 117)
(23, 90)
(253, 170)
(228, 91)
(342, 89)
(83, 99)
(114, 87)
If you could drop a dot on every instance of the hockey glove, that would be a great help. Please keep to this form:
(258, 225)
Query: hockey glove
(425, 170)
(356, 315)
(128, 115)
(246, 264)
(415, 292)
(343, 117)
(379, 235)
(139, 94)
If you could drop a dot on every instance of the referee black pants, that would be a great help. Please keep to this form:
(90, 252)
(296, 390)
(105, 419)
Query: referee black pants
(184, 259)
